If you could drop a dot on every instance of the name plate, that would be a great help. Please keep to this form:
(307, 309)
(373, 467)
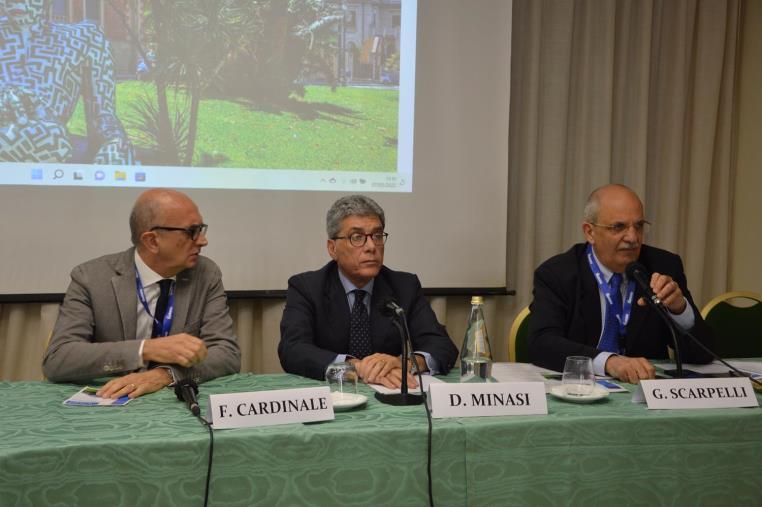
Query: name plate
(488, 399)
(699, 393)
(266, 408)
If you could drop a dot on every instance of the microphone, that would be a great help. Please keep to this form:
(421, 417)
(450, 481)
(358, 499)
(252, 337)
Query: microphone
(636, 271)
(389, 308)
(186, 390)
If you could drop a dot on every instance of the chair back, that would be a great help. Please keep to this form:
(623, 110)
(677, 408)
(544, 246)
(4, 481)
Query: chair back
(518, 349)
(736, 320)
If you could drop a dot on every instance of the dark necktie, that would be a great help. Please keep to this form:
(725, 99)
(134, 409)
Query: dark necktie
(610, 337)
(359, 327)
(161, 306)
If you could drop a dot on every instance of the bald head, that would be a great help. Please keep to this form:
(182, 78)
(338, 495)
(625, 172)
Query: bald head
(152, 206)
(606, 196)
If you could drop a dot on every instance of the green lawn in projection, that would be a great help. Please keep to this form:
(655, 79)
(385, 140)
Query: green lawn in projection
(349, 129)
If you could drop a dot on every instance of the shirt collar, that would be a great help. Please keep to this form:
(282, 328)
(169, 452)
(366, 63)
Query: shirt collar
(147, 275)
(349, 286)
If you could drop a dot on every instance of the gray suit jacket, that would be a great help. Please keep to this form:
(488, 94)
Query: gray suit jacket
(94, 335)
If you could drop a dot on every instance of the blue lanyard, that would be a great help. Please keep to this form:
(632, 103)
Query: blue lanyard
(170, 313)
(612, 305)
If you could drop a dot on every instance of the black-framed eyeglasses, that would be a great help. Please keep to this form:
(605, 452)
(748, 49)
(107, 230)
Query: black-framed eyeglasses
(193, 232)
(359, 238)
(620, 227)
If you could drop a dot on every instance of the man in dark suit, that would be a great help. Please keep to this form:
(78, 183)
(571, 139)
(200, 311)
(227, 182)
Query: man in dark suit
(583, 302)
(333, 314)
(150, 314)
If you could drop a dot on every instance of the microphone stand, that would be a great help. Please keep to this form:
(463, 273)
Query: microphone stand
(635, 271)
(403, 398)
(678, 371)
(674, 329)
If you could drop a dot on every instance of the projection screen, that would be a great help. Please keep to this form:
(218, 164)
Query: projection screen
(405, 101)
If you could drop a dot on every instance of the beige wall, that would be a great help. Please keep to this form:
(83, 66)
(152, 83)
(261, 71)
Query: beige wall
(744, 270)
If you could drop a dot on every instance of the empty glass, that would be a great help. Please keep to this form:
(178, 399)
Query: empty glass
(342, 380)
(578, 379)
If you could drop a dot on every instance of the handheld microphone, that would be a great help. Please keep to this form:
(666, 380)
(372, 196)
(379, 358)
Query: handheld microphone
(186, 390)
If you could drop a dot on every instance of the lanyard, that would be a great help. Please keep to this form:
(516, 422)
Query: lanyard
(612, 304)
(168, 316)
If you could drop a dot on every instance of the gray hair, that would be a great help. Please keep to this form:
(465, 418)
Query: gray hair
(351, 205)
(590, 214)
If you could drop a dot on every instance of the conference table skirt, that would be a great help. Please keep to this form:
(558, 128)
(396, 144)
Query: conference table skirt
(153, 452)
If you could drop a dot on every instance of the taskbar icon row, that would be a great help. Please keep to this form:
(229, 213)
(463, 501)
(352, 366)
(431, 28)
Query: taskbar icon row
(75, 175)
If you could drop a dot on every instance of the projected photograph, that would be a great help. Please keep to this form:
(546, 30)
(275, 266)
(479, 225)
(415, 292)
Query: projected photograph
(292, 94)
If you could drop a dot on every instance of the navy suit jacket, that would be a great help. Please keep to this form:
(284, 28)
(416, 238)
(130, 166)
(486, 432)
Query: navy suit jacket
(566, 312)
(315, 324)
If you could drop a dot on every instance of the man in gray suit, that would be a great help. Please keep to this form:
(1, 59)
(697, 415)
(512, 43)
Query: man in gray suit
(155, 313)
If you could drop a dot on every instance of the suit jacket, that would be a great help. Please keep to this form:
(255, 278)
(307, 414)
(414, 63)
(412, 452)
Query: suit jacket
(94, 334)
(566, 312)
(315, 323)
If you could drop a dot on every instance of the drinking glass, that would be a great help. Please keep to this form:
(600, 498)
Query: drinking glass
(342, 380)
(578, 379)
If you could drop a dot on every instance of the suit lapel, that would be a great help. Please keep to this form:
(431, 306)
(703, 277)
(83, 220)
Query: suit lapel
(590, 304)
(125, 291)
(338, 310)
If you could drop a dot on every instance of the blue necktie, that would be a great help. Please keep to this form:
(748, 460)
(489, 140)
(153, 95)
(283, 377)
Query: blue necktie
(161, 306)
(610, 338)
(359, 328)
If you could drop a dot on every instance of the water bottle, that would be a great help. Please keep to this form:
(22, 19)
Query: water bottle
(476, 354)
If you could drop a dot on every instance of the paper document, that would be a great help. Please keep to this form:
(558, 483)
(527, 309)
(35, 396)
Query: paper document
(747, 366)
(716, 367)
(520, 372)
(86, 397)
(427, 379)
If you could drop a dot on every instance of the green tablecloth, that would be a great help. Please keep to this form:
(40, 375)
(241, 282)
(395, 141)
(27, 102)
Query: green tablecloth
(153, 452)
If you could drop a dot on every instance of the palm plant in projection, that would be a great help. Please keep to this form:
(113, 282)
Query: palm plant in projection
(283, 40)
(254, 49)
(190, 40)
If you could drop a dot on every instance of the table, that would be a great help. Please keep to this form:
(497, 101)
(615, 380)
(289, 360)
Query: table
(153, 452)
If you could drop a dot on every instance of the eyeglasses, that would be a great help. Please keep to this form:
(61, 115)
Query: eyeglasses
(193, 232)
(359, 239)
(620, 227)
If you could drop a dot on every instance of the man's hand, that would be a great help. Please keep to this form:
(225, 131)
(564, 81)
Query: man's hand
(383, 369)
(136, 384)
(668, 291)
(630, 369)
(182, 349)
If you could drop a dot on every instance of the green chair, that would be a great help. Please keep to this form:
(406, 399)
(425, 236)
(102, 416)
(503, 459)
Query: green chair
(736, 319)
(518, 349)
